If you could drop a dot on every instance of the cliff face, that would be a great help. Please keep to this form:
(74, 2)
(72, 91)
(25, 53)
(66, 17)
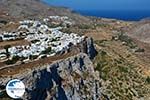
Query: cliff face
(87, 47)
(91, 51)
(70, 79)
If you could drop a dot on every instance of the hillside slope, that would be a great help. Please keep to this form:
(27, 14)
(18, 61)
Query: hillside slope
(120, 70)
(35, 9)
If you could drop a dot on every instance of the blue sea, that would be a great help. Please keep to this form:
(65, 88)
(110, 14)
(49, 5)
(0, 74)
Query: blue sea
(128, 15)
(81, 7)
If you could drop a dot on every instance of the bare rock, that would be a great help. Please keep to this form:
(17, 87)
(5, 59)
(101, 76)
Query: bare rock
(71, 79)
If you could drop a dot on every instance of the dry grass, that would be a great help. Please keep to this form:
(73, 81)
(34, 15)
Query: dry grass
(121, 74)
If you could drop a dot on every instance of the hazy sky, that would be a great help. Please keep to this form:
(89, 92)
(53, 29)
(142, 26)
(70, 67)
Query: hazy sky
(103, 4)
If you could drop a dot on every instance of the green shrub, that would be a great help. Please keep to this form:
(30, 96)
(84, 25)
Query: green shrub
(13, 60)
(102, 25)
(123, 69)
(34, 41)
(124, 38)
(32, 57)
(85, 26)
(54, 25)
(148, 80)
(54, 39)
(103, 53)
(47, 51)
(99, 67)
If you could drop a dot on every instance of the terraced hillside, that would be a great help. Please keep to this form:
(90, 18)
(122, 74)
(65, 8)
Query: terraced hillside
(121, 61)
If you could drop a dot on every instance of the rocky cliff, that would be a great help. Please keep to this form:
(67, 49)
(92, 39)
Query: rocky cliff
(69, 79)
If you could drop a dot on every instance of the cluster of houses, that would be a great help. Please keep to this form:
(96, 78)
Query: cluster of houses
(44, 40)
(8, 36)
(59, 20)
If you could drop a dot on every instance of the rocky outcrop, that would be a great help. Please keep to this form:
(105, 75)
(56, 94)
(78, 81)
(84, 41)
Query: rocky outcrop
(91, 51)
(70, 79)
(88, 47)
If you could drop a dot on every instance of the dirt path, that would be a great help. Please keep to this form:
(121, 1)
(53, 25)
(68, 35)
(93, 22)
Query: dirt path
(13, 43)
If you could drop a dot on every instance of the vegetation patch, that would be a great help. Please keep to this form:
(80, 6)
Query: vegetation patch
(121, 79)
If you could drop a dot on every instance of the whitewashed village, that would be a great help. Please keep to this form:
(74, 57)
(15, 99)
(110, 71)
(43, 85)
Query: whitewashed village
(45, 41)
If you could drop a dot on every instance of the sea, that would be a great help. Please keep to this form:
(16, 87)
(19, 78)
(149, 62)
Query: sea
(127, 15)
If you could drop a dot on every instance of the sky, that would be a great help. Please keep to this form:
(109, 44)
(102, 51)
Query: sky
(103, 4)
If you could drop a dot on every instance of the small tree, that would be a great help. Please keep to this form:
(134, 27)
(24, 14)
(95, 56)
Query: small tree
(6, 47)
